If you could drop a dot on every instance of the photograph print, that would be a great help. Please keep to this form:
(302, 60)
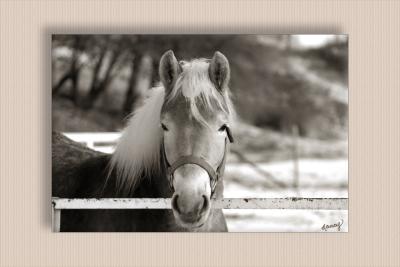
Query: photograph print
(199, 133)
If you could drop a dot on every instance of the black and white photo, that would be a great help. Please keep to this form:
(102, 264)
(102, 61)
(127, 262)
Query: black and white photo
(199, 133)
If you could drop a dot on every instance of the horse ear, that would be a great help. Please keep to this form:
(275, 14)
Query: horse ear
(219, 71)
(169, 70)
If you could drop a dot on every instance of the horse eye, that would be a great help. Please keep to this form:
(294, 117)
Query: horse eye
(164, 127)
(222, 128)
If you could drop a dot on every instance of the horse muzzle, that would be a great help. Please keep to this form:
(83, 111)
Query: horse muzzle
(193, 212)
(191, 202)
(193, 190)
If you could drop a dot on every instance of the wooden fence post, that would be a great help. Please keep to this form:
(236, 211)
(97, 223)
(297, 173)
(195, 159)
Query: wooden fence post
(56, 218)
(295, 136)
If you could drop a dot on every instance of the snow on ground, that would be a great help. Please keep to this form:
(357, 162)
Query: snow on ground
(285, 220)
(317, 178)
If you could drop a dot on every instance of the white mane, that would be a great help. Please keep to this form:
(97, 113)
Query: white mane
(138, 148)
(138, 151)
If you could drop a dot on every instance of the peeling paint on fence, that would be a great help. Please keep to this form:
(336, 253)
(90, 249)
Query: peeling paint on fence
(165, 203)
(227, 203)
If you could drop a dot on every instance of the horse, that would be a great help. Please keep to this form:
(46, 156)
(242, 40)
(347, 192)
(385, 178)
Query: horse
(174, 146)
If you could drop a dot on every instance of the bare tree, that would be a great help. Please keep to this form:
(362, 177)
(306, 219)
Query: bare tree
(140, 80)
(73, 73)
(131, 95)
(104, 70)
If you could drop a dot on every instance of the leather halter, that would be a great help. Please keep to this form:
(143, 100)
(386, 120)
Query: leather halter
(201, 162)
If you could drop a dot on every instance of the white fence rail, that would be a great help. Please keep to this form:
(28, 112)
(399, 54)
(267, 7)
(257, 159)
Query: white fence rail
(165, 203)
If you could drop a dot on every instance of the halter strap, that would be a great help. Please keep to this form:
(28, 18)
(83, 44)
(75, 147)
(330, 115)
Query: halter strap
(199, 161)
(193, 160)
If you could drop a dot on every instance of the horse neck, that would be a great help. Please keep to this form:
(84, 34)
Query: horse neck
(156, 186)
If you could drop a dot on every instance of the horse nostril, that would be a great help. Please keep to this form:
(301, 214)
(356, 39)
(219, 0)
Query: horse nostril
(206, 204)
(174, 203)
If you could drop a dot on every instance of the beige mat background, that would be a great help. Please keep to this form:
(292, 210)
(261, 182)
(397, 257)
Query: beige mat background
(25, 232)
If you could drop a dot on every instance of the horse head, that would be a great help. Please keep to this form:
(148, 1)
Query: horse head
(194, 120)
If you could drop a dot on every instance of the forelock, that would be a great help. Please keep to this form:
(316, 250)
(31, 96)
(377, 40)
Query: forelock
(195, 86)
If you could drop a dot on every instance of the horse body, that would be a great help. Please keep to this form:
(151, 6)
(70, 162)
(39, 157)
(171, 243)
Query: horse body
(137, 169)
(73, 179)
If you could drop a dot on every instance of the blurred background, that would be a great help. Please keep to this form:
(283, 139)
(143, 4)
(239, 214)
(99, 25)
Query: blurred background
(290, 93)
